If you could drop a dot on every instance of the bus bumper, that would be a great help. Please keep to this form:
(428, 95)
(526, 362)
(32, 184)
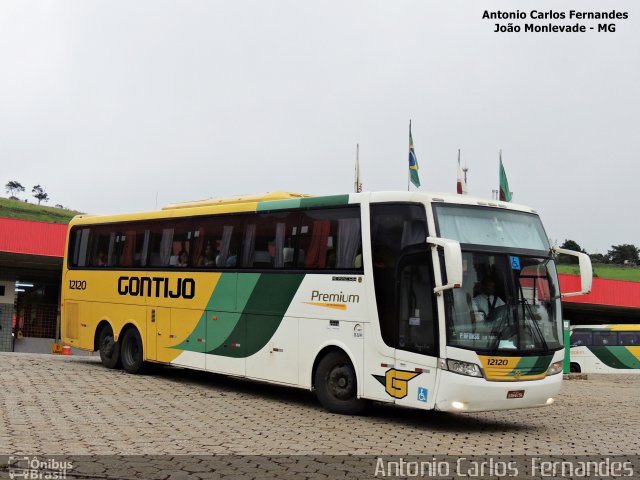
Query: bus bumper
(460, 393)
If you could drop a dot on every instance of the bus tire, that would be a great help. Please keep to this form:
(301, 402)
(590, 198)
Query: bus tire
(336, 385)
(109, 348)
(574, 367)
(131, 352)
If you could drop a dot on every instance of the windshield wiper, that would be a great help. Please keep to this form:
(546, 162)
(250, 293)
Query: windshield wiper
(529, 310)
(500, 328)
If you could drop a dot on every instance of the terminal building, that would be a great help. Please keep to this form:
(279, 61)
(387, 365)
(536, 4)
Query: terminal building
(30, 275)
(31, 255)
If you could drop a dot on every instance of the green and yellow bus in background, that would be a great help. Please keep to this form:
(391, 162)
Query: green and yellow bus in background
(605, 348)
(366, 296)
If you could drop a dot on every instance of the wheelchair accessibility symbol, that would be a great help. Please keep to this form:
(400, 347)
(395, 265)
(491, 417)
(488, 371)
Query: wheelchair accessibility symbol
(422, 394)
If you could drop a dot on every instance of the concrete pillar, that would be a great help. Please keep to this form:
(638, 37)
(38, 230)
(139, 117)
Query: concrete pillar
(7, 298)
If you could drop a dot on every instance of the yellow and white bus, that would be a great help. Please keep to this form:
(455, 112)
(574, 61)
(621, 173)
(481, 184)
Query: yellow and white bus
(605, 349)
(366, 296)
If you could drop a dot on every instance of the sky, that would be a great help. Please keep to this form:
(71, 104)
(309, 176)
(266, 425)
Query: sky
(118, 106)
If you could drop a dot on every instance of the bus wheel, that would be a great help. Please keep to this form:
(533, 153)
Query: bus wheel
(131, 352)
(574, 368)
(336, 386)
(109, 348)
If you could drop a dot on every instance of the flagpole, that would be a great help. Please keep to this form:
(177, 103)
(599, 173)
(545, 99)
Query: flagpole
(409, 170)
(459, 180)
(466, 185)
(357, 185)
(499, 172)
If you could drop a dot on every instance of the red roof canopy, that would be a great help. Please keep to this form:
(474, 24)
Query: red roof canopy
(618, 293)
(32, 238)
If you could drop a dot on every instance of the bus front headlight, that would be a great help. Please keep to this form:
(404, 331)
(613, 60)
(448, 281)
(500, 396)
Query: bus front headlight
(555, 367)
(464, 368)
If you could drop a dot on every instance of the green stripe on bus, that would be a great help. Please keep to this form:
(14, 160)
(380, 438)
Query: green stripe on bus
(278, 204)
(616, 357)
(532, 365)
(305, 202)
(244, 287)
(273, 293)
(261, 315)
(229, 298)
(191, 343)
(324, 201)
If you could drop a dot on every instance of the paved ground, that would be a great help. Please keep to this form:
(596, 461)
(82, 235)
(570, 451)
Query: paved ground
(53, 405)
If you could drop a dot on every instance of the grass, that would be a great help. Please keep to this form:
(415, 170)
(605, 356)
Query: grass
(39, 213)
(601, 270)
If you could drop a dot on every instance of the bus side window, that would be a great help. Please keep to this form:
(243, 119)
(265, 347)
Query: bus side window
(159, 246)
(629, 338)
(580, 339)
(605, 338)
(98, 246)
(268, 240)
(79, 246)
(330, 239)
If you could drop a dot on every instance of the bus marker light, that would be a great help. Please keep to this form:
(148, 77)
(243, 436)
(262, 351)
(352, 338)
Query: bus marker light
(550, 401)
(457, 405)
(386, 365)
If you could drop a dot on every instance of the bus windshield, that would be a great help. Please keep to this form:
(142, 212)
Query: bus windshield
(507, 305)
(491, 227)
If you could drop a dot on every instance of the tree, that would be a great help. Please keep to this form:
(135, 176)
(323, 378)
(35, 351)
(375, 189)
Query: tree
(570, 245)
(13, 187)
(599, 258)
(40, 194)
(619, 253)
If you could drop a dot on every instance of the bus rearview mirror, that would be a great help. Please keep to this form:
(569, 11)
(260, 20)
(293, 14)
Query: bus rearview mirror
(452, 261)
(586, 271)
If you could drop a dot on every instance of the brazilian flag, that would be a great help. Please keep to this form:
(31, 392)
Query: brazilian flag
(413, 162)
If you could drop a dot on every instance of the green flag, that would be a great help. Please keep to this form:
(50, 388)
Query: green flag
(413, 162)
(505, 193)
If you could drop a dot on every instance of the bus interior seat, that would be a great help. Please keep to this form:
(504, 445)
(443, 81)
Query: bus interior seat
(155, 260)
(261, 258)
(287, 256)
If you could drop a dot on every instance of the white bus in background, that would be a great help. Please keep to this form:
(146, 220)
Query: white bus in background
(605, 348)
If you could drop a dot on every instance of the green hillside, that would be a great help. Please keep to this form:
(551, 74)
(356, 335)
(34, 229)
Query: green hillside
(601, 270)
(38, 213)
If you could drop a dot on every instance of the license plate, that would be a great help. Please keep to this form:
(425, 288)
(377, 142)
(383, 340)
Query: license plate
(515, 394)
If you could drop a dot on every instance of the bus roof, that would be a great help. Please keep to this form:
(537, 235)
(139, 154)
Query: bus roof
(612, 327)
(261, 197)
(286, 200)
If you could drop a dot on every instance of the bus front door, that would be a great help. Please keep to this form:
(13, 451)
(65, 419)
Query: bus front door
(416, 356)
